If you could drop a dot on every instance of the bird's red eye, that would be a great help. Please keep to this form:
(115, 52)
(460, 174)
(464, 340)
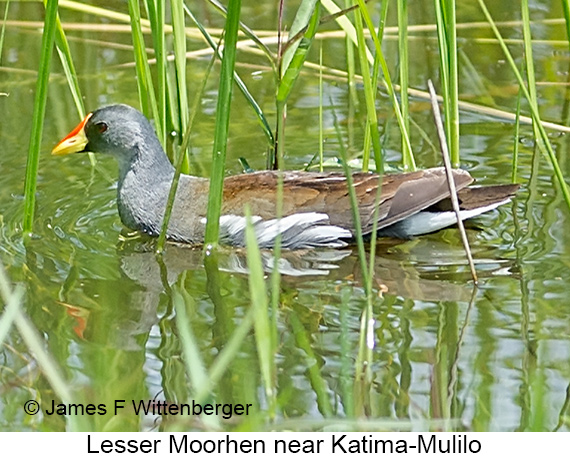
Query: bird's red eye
(101, 127)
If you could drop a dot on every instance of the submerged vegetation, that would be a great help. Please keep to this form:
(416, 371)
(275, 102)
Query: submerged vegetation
(160, 33)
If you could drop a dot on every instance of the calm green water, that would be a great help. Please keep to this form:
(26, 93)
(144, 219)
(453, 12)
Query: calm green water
(497, 358)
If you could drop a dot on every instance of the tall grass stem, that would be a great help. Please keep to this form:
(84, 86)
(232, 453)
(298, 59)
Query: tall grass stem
(222, 124)
(48, 38)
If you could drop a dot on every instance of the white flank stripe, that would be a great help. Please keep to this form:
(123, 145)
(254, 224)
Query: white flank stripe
(427, 222)
(299, 230)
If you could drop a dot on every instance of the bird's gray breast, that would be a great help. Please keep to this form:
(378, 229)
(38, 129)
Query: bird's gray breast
(141, 204)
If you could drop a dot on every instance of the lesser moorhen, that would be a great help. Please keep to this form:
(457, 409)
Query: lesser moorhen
(316, 206)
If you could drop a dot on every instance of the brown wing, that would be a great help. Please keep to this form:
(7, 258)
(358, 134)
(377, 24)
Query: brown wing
(401, 194)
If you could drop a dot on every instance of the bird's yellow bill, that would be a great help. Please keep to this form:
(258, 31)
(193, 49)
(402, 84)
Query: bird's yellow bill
(74, 142)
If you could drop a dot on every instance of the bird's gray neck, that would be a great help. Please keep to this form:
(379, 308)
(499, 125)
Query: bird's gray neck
(149, 164)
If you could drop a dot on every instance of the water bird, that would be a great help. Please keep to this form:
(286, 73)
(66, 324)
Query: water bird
(316, 205)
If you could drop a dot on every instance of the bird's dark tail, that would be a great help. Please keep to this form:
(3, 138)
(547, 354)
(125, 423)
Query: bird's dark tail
(476, 197)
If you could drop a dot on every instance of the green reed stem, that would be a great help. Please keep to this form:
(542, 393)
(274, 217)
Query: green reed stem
(145, 85)
(388, 84)
(3, 30)
(317, 381)
(156, 12)
(181, 158)
(353, 204)
(179, 33)
(249, 34)
(276, 274)
(195, 367)
(66, 59)
(297, 55)
(516, 135)
(404, 71)
(375, 74)
(529, 63)
(227, 355)
(447, 43)
(13, 316)
(382, 20)
(453, 135)
(48, 38)
(13, 302)
(222, 124)
(370, 97)
(321, 136)
(263, 333)
(566, 8)
(350, 62)
(304, 19)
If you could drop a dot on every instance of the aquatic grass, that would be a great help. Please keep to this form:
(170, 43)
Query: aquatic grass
(516, 139)
(13, 302)
(48, 38)
(494, 112)
(294, 54)
(66, 60)
(318, 383)
(239, 82)
(3, 29)
(145, 85)
(156, 13)
(179, 35)
(341, 76)
(181, 159)
(50, 368)
(14, 316)
(305, 18)
(374, 84)
(382, 22)
(350, 62)
(529, 64)
(447, 44)
(364, 361)
(249, 34)
(370, 98)
(344, 23)
(359, 237)
(539, 398)
(264, 330)
(195, 367)
(321, 126)
(566, 9)
(408, 160)
(533, 108)
(564, 415)
(228, 353)
(403, 56)
(346, 364)
(204, 380)
(276, 275)
(222, 124)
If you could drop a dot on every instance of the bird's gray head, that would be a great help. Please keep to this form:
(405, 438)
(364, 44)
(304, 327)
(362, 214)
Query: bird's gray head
(117, 130)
